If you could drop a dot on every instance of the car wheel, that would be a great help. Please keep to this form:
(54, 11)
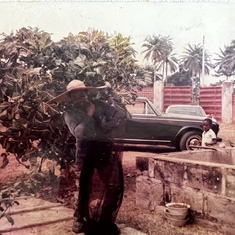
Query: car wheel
(188, 139)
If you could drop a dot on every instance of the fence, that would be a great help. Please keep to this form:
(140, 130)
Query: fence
(147, 92)
(211, 101)
(176, 95)
(210, 98)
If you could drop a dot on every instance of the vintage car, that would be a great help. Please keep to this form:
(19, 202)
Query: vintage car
(148, 125)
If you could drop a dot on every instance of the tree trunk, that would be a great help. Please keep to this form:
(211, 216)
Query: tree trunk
(166, 72)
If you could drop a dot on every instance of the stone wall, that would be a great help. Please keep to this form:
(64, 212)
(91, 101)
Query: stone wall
(191, 177)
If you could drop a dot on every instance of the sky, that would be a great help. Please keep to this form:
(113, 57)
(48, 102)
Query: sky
(183, 22)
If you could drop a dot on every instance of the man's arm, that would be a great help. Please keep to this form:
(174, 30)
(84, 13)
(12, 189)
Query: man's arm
(75, 125)
(81, 123)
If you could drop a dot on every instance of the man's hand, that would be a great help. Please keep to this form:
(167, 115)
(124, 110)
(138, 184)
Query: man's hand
(90, 110)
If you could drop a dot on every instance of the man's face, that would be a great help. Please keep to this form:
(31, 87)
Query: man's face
(78, 98)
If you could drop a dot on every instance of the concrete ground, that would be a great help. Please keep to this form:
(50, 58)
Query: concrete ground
(40, 217)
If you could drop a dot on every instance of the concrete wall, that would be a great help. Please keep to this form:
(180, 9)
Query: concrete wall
(233, 97)
(227, 102)
(158, 87)
(208, 187)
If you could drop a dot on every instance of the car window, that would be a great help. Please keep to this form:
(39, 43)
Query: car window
(135, 108)
(174, 110)
(140, 108)
(195, 111)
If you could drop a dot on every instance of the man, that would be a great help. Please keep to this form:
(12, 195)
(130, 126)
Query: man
(101, 186)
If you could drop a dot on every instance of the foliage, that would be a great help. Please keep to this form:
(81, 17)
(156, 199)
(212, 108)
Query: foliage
(145, 75)
(107, 58)
(34, 69)
(6, 202)
(181, 78)
(157, 47)
(225, 61)
(25, 85)
(192, 60)
(159, 51)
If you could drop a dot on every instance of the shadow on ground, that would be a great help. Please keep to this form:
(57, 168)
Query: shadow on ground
(147, 148)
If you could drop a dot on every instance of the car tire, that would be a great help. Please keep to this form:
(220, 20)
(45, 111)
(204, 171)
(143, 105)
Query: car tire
(188, 138)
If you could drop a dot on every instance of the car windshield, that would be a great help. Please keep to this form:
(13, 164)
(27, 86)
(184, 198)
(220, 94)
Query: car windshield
(193, 110)
(142, 107)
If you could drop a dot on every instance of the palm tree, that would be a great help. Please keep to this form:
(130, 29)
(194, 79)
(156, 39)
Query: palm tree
(159, 51)
(192, 60)
(154, 48)
(169, 63)
(225, 62)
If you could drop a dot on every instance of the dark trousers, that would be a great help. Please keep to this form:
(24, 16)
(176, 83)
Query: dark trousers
(101, 184)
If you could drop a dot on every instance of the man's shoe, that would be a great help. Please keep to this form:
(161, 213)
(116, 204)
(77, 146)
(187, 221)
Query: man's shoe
(77, 227)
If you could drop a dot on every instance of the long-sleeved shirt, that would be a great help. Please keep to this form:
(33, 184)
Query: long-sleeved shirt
(106, 123)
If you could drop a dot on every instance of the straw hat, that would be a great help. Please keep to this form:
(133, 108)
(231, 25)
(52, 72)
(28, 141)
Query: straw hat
(74, 85)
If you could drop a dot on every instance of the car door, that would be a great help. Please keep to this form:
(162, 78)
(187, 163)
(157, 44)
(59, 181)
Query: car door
(147, 125)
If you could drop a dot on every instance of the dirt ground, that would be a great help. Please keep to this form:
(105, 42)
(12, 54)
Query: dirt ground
(152, 223)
